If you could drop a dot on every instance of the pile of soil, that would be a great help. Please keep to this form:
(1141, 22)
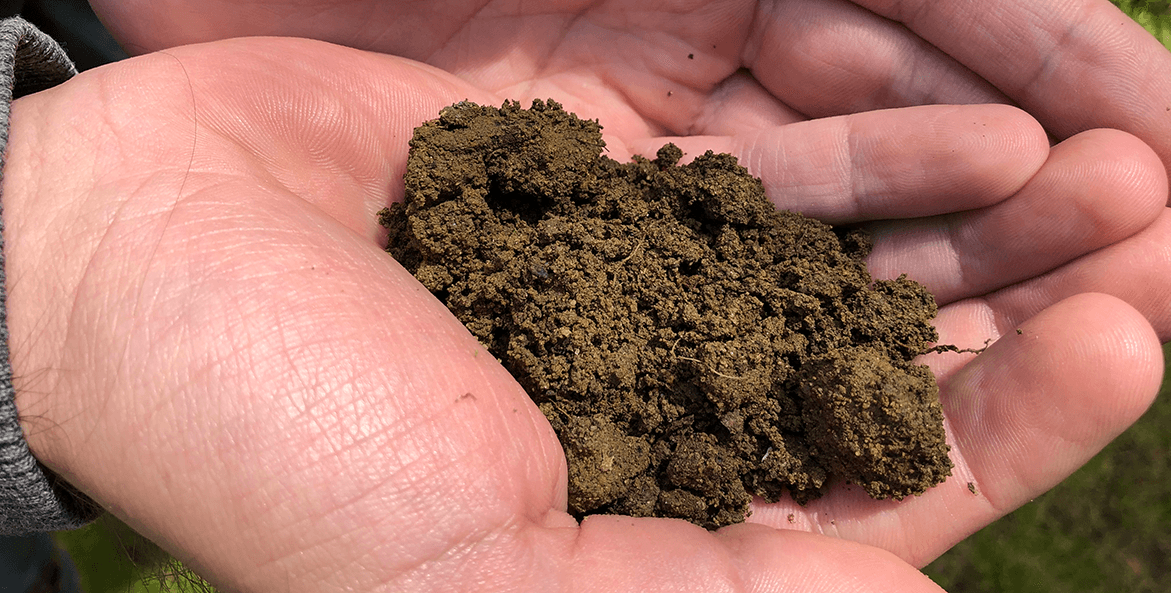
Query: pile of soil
(691, 345)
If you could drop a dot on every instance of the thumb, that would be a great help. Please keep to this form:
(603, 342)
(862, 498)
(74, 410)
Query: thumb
(214, 355)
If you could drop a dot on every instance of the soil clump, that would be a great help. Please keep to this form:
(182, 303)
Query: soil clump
(691, 345)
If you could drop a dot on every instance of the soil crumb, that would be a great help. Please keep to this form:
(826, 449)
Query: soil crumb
(691, 345)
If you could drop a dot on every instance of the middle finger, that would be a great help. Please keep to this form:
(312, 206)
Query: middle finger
(1096, 188)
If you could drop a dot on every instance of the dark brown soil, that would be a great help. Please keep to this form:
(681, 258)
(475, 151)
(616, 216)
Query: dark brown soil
(691, 345)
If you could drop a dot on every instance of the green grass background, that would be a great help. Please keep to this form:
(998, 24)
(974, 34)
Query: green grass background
(1105, 529)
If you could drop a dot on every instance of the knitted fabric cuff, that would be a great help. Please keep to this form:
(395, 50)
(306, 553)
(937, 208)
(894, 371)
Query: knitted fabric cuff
(31, 498)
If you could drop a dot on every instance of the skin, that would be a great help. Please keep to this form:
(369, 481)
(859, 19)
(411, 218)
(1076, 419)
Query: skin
(208, 339)
(731, 75)
(1074, 66)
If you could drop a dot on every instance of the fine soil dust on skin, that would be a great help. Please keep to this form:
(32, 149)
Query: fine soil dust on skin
(691, 345)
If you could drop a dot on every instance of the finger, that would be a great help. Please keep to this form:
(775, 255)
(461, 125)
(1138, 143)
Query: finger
(1050, 397)
(1021, 416)
(1135, 270)
(887, 164)
(1074, 65)
(832, 57)
(1095, 189)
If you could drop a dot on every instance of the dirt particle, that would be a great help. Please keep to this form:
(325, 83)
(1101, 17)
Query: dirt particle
(691, 345)
(972, 488)
(690, 56)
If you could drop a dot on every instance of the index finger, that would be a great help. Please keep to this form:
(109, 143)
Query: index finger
(895, 163)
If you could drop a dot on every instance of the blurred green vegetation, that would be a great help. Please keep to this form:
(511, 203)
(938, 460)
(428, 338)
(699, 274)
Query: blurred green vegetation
(112, 558)
(1155, 15)
(1105, 529)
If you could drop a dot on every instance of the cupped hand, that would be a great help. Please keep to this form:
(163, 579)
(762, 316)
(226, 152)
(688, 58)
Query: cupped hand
(209, 340)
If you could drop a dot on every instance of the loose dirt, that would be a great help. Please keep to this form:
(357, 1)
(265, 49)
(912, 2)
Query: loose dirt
(691, 345)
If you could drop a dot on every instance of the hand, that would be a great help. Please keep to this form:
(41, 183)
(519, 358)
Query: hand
(209, 340)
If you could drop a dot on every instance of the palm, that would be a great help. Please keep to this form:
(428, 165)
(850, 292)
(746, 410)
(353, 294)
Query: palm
(352, 367)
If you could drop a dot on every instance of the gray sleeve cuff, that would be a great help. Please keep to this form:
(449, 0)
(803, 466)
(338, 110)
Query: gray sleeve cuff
(31, 498)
